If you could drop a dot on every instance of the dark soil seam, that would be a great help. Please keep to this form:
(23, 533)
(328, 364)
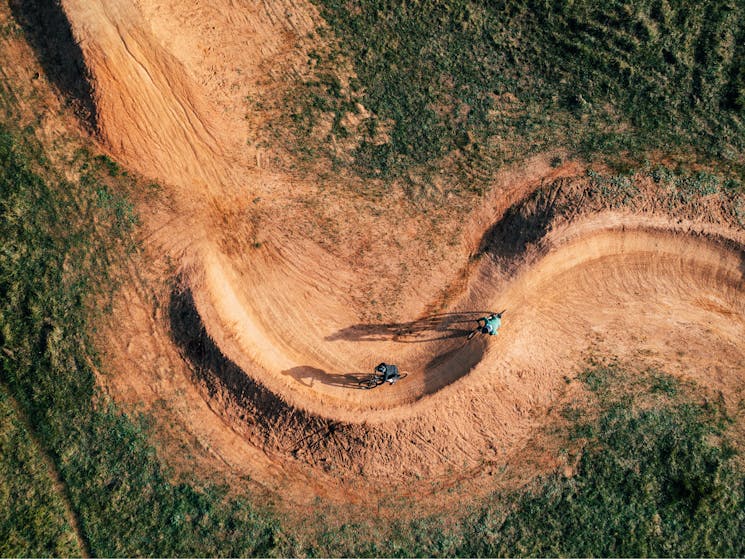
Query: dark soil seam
(54, 473)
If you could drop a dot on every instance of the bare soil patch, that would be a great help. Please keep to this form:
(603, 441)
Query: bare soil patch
(287, 290)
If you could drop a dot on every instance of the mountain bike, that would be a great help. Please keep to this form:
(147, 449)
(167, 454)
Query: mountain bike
(376, 380)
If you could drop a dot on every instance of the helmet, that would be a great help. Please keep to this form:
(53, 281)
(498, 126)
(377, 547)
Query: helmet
(485, 330)
(381, 368)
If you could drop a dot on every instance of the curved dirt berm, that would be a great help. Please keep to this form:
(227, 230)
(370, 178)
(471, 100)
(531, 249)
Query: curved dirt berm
(615, 282)
(278, 332)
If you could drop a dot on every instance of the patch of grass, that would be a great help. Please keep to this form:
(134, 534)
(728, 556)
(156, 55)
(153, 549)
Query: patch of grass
(691, 185)
(664, 384)
(618, 190)
(680, 192)
(493, 81)
(61, 240)
(653, 480)
(111, 166)
(601, 377)
(33, 522)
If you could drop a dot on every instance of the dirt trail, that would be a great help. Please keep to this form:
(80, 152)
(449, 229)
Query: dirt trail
(289, 318)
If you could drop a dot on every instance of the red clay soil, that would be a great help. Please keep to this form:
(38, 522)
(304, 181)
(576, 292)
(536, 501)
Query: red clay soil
(286, 294)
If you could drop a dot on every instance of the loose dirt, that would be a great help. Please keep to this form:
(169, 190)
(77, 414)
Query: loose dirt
(280, 295)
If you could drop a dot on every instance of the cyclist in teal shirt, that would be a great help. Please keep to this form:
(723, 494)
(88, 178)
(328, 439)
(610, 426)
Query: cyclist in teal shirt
(491, 323)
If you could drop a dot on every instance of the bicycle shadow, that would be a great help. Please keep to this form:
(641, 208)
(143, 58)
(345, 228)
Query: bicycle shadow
(308, 375)
(435, 327)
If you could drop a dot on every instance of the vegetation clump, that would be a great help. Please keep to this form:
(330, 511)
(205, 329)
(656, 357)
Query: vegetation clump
(489, 82)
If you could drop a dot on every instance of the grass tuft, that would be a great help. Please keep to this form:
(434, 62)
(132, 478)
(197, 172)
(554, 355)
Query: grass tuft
(489, 82)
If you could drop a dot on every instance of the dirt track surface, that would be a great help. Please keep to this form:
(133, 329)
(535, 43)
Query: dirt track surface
(273, 326)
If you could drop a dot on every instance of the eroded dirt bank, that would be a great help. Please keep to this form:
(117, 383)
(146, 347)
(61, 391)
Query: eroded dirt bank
(625, 284)
(272, 317)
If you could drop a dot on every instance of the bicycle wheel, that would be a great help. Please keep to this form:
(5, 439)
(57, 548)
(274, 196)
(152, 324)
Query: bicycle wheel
(370, 382)
(403, 376)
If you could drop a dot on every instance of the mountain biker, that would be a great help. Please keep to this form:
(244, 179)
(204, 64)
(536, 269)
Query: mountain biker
(491, 323)
(389, 372)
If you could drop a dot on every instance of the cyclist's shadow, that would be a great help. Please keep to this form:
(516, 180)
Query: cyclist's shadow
(442, 326)
(308, 375)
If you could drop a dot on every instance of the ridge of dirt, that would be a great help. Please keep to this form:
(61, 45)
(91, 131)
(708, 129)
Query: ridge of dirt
(286, 291)
(415, 399)
(297, 439)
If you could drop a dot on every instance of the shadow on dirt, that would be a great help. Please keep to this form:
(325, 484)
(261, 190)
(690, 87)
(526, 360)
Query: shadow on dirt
(523, 224)
(252, 410)
(308, 375)
(264, 418)
(48, 31)
(209, 364)
(460, 357)
(442, 326)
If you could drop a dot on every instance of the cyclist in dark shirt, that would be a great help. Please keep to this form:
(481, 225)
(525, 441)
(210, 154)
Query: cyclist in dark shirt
(389, 372)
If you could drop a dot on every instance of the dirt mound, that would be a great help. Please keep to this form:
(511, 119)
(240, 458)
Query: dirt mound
(612, 280)
(275, 327)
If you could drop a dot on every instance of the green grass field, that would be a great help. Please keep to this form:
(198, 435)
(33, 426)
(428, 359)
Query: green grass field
(474, 84)
(481, 84)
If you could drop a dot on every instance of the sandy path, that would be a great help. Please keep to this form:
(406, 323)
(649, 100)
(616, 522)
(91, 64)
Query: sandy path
(604, 282)
(290, 314)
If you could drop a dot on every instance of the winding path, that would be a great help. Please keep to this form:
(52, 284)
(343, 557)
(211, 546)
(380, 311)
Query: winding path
(291, 317)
